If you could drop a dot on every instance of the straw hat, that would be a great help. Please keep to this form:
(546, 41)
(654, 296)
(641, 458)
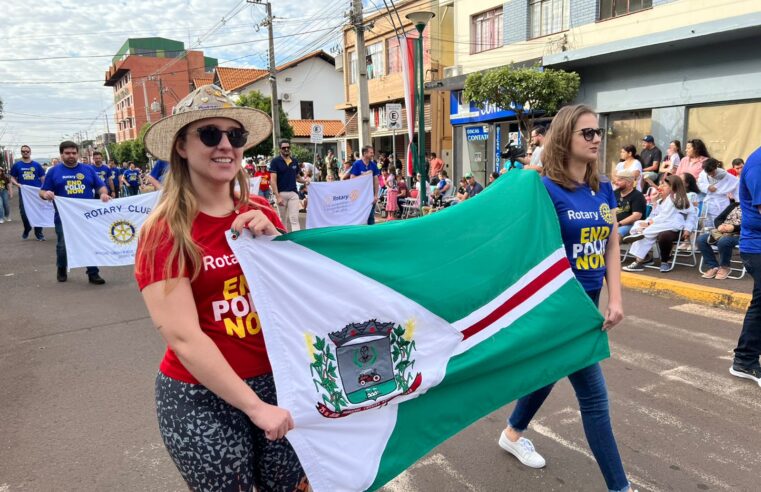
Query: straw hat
(208, 101)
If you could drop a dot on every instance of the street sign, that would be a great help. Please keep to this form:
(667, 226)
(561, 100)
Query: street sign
(394, 116)
(316, 134)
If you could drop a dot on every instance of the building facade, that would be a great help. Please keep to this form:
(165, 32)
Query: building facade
(676, 69)
(149, 76)
(386, 82)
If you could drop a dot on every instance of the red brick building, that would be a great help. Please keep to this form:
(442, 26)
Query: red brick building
(148, 72)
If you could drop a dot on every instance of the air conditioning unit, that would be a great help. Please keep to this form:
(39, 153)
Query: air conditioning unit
(285, 97)
(452, 71)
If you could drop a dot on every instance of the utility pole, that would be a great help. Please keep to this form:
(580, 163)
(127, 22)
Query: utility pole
(273, 74)
(145, 98)
(364, 100)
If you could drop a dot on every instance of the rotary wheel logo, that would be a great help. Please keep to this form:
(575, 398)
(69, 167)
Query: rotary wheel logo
(122, 232)
(354, 195)
(80, 176)
(605, 213)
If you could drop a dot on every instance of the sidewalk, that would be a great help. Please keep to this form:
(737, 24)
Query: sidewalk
(686, 283)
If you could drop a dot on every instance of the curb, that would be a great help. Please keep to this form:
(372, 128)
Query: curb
(737, 301)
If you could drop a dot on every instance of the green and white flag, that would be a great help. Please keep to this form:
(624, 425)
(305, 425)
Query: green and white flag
(387, 340)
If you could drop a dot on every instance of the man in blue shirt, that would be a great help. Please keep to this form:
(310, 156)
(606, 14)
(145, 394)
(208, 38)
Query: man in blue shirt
(284, 174)
(73, 180)
(104, 172)
(156, 178)
(131, 179)
(30, 173)
(116, 174)
(746, 362)
(366, 165)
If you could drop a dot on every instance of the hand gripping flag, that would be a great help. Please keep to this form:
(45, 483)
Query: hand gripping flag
(103, 233)
(387, 340)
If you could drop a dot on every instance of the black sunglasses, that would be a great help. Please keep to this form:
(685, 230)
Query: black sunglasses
(589, 133)
(211, 136)
(285, 148)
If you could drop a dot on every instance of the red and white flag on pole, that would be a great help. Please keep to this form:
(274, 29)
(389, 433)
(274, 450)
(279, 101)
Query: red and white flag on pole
(407, 47)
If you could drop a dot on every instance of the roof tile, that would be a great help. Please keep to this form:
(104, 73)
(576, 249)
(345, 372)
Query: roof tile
(303, 128)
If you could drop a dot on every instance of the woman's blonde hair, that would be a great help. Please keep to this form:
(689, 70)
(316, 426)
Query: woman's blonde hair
(557, 149)
(173, 216)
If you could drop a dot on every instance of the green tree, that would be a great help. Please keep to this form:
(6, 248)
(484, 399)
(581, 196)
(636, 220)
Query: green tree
(123, 151)
(1, 108)
(259, 101)
(524, 90)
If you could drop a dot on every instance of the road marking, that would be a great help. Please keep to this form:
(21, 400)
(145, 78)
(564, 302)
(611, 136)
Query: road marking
(550, 434)
(716, 343)
(711, 312)
(722, 386)
(403, 482)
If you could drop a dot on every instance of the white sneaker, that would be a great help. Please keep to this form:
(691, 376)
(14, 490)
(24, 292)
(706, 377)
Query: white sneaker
(523, 449)
(2, 221)
(8, 219)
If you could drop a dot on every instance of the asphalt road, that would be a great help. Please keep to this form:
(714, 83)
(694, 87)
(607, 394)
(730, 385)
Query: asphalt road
(78, 362)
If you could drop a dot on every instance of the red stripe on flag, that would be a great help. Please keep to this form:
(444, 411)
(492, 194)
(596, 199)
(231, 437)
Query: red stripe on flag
(519, 297)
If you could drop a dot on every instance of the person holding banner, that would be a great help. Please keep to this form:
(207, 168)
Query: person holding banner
(30, 173)
(215, 394)
(73, 180)
(366, 165)
(585, 205)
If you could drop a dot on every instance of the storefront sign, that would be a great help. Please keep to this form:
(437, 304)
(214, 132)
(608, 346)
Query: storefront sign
(480, 132)
(461, 113)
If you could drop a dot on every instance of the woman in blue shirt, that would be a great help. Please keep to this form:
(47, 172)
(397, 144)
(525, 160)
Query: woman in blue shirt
(585, 205)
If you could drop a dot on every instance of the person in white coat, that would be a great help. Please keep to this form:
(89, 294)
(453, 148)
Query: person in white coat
(717, 184)
(674, 212)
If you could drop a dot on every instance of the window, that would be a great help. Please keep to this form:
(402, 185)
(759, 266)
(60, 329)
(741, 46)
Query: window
(548, 17)
(375, 68)
(307, 110)
(613, 8)
(394, 55)
(486, 31)
(353, 71)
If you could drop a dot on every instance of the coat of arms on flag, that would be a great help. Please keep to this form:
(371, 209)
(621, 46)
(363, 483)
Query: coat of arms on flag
(374, 360)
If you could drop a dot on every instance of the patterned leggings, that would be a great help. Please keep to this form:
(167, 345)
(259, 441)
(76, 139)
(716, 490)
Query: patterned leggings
(216, 447)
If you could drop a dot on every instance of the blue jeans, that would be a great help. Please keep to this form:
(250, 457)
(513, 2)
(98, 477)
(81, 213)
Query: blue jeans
(624, 229)
(60, 248)
(5, 205)
(371, 219)
(592, 393)
(25, 220)
(726, 246)
(748, 347)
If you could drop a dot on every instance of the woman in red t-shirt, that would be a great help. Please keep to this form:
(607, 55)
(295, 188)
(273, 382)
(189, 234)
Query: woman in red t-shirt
(215, 395)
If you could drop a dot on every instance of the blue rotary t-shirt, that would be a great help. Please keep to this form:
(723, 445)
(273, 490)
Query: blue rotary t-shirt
(586, 223)
(159, 169)
(132, 177)
(750, 200)
(104, 173)
(28, 173)
(360, 167)
(116, 172)
(80, 181)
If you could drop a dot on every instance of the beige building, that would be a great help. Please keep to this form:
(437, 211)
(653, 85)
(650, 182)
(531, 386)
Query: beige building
(676, 69)
(385, 80)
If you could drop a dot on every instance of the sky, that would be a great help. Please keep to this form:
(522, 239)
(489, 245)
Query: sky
(49, 100)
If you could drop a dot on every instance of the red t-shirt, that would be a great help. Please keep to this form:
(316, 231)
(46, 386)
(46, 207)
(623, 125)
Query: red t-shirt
(264, 184)
(221, 294)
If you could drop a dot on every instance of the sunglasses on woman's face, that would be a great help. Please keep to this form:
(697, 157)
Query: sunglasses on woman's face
(211, 136)
(589, 133)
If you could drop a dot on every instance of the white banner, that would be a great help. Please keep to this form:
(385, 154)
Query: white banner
(103, 233)
(338, 203)
(40, 212)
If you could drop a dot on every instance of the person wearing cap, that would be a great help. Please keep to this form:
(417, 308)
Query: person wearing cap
(285, 172)
(650, 157)
(474, 187)
(631, 202)
(215, 394)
